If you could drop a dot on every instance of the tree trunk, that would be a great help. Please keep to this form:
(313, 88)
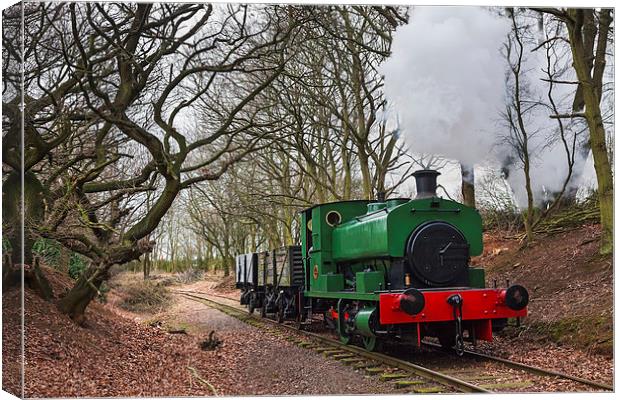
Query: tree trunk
(523, 135)
(467, 185)
(591, 96)
(64, 259)
(226, 258)
(228, 262)
(346, 191)
(528, 221)
(146, 266)
(33, 206)
(365, 169)
(74, 303)
(36, 280)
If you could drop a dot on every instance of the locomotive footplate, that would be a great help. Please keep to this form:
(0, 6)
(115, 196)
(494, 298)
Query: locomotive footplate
(477, 306)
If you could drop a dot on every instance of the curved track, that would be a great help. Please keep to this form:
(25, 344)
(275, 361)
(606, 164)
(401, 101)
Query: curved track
(478, 382)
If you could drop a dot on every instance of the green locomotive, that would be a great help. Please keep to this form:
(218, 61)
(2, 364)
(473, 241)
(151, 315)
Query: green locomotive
(390, 269)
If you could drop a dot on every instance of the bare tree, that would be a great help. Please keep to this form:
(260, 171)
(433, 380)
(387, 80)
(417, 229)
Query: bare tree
(139, 71)
(348, 89)
(589, 32)
(520, 105)
(526, 132)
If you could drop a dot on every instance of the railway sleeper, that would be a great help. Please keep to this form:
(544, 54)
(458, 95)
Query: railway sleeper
(367, 364)
(432, 389)
(352, 360)
(507, 385)
(453, 371)
(374, 370)
(405, 383)
(391, 377)
(477, 377)
(341, 356)
(330, 353)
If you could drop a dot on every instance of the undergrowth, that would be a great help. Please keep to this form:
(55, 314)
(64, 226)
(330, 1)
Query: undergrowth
(145, 296)
(190, 275)
(594, 333)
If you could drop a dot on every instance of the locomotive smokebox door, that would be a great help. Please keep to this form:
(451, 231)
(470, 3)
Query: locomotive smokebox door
(439, 255)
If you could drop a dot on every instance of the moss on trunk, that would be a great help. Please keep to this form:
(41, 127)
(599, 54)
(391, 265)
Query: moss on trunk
(31, 192)
(580, 32)
(74, 303)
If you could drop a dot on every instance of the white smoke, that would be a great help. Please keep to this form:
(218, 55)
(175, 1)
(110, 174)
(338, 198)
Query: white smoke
(446, 81)
(548, 156)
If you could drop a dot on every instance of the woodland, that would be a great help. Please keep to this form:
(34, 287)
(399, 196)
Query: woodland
(169, 136)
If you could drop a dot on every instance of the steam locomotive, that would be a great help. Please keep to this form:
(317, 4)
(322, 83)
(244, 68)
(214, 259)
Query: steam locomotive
(396, 269)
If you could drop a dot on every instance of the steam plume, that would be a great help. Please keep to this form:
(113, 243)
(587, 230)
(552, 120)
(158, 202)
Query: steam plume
(446, 80)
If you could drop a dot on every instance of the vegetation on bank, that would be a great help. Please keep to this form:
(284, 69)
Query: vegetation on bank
(144, 296)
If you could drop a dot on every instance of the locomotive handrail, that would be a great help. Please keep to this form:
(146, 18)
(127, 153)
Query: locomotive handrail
(449, 210)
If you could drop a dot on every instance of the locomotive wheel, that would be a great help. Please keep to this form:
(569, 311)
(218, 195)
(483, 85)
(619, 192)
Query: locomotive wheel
(370, 343)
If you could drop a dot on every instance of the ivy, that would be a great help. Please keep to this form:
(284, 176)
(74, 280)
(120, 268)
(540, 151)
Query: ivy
(77, 265)
(48, 250)
(6, 245)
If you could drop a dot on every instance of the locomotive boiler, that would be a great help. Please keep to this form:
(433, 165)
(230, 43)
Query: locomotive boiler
(396, 269)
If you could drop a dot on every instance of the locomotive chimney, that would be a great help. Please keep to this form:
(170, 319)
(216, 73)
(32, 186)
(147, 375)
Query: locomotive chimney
(426, 183)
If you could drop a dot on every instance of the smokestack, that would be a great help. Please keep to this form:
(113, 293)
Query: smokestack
(426, 183)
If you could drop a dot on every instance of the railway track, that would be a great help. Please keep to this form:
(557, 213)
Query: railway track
(409, 376)
(530, 368)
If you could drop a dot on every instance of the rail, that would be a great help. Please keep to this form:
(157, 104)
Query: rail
(419, 370)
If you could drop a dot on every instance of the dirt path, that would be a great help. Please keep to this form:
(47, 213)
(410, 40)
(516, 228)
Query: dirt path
(253, 363)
